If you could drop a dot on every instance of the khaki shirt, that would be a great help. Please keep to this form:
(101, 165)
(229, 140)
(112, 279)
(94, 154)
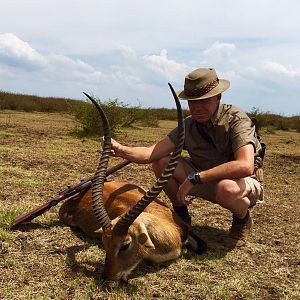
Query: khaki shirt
(229, 129)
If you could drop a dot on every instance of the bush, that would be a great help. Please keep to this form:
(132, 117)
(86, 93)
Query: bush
(121, 115)
(148, 118)
(266, 119)
(295, 123)
(31, 103)
(118, 114)
(282, 125)
(168, 113)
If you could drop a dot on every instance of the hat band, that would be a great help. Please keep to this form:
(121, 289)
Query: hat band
(203, 90)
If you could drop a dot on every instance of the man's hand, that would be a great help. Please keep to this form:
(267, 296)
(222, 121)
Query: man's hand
(116, 148)
(183, 190)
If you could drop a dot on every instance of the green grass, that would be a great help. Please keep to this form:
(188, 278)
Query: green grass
(5, 236)
(7, 218)
(17, 176)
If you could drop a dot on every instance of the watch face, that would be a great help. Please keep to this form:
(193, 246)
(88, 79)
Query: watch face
(192, 177)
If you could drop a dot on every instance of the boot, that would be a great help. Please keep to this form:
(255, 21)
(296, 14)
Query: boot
(240, 230)
(195, 243)
(183, 212)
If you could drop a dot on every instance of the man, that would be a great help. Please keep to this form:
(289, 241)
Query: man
(222, 144)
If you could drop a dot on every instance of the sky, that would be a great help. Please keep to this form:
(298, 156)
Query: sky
(131, 49)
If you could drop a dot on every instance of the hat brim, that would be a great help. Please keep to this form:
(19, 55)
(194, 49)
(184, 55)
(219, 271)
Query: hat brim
(220, 88)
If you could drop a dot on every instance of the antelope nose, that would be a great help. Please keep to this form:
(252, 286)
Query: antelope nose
(124, 278)
(105, 276)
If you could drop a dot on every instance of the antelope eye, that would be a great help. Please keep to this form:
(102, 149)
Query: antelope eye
(124, 247)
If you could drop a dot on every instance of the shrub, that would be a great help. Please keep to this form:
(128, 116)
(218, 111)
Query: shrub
(266, 119)
(270, 130)
(118, 114)
(295, 123)
(168, 113)
(282, 124)
(146, 117)
(121, 115)
(31, 103)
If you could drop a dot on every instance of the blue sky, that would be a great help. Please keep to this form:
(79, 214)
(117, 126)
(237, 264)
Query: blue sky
(130, 50)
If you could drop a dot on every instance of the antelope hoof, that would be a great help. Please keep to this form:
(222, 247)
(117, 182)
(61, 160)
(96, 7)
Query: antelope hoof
(196, 244)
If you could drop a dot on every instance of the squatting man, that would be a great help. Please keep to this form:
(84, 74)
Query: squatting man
(222, 144)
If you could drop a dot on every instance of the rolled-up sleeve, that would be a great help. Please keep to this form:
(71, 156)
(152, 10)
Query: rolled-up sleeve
(173, 135)
(242, 132)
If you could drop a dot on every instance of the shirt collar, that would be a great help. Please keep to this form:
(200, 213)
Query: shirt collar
(215, 118)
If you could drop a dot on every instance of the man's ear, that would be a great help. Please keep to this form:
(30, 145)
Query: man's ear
(143, 236)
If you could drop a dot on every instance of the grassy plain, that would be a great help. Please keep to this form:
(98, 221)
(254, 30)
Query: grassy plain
(47, 260)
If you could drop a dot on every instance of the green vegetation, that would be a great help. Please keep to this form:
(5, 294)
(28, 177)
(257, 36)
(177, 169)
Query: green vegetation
(118, 114)
(30, 103)
(121, 115)
(274, 122)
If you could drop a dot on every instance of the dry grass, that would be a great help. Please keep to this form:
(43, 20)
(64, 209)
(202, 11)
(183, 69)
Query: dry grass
(46, 260)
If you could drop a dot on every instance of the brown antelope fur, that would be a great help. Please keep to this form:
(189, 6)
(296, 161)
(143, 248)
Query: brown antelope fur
(156, 235)
(133, 225)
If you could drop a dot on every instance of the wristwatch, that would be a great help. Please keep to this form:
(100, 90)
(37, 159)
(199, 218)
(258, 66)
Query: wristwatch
(194, 178)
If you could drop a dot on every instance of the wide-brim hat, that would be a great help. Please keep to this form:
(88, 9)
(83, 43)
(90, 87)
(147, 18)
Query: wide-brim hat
(201, 84)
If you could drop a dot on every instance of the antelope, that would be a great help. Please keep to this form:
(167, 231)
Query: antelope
(133, 224)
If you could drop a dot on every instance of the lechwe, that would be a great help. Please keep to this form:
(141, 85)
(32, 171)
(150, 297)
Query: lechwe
(135, 225)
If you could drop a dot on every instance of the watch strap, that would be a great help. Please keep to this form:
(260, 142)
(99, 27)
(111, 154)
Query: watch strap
(195, 178)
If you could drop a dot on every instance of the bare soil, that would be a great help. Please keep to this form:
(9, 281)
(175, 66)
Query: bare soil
(47, 260)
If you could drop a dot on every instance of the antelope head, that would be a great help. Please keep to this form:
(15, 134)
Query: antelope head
(126, 239)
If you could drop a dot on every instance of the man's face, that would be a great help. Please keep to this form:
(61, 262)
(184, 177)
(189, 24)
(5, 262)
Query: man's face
(203, 110)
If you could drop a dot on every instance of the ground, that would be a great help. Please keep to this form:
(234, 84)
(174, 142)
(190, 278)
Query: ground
(47, 260)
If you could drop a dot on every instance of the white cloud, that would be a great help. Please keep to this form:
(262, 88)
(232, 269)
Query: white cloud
(162, 65)
(279, 69)
(19, 53)
(67, 69)
(19, 56)
(143, 77)
(59, 62)
(114, 48)
(219, 55)
(127, 52)
(219, 50)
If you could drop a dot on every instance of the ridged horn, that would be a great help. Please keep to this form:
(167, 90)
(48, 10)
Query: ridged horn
(126, 220)
(99, 177)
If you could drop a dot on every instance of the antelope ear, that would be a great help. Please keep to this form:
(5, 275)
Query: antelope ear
(143, 236)
(99, 231)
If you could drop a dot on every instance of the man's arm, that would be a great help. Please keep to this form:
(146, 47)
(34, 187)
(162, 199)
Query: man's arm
(241, 167)
(143, 155)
